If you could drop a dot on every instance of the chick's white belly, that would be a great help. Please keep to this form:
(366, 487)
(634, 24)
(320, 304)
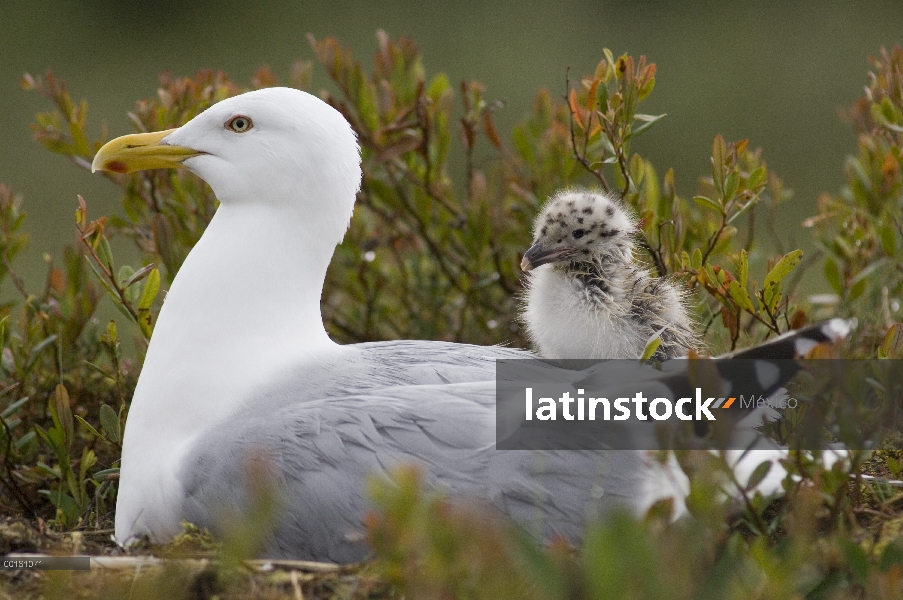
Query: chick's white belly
(562, 323)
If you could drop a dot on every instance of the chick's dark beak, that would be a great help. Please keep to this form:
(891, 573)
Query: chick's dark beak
(537, 256)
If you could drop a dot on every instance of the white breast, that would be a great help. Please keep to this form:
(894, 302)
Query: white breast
(561, 324)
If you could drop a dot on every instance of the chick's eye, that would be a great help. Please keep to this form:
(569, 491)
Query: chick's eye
(239, 124)
(578, 233)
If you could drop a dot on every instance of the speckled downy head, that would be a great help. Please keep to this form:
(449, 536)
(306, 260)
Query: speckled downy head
(578, 226)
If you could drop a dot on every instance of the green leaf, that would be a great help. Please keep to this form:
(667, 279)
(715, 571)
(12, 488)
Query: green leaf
(144, 323)
(740, 296)
(609, 60)
(125, 272)
(892, 555)
(751, 203)
(47, 470)
(98, 369)
(62, 413)
(857, 559)
(65, 503)
(36, 352)
(758, 474)
(81, 145)
(607, 145)
(731, 184)
(866, 273)
(771, 296)
(707, 202)
(756, 179)
(52, 438)
(109, 421)
(12, 408)
(719, 153)
(696, 261)
(782, 269)
(724, 239)
(743, 275)
(137, 276)
(892, 346)
(150, 290)
(89, 459)
(89, 427)
(891, 116)
(26, 444)
(888, 236)
(857, 289)
(651, 346)
(647, 120)
(113, 295)
(105, 253)
(438, 86)
(832, 275)
(103, 474)
(112, 336)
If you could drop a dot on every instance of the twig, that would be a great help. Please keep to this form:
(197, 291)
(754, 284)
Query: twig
(399, 164)
(17, 281)
(580, 159)
(757, 518)
(713, 241)
(655, 256)
(425, 235)
(9, 480)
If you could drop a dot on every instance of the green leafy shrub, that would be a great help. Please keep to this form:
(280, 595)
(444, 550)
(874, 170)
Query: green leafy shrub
(859, 229)
(811, 547)
(49, 344)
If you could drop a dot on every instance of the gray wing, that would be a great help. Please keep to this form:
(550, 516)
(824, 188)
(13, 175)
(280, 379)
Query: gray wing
(323, 430)
(358, 368)
(321, 453)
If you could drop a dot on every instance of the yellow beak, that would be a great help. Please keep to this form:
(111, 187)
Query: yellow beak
(139, 152)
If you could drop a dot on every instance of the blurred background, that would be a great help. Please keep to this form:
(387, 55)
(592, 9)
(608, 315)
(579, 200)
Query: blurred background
(774, 72)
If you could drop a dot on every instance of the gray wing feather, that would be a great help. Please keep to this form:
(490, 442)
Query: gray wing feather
(323, 451)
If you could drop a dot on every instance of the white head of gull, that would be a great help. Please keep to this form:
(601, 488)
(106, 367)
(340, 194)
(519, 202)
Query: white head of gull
(240, 371)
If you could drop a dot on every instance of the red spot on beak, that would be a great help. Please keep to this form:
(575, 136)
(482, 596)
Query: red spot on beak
(116, 165)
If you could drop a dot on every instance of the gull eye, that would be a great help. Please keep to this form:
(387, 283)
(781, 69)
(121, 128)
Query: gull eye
(239, 124)
(579, 233)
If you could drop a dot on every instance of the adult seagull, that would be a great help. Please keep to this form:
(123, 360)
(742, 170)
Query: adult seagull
(241, 378)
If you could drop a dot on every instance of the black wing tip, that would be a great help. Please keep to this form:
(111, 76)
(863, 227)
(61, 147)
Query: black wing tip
(825, 332)
(799, 343)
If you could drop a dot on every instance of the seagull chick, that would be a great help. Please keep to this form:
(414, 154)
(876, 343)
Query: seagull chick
(587, 296)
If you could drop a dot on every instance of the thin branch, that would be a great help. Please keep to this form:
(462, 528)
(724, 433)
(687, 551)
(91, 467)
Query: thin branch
(17, 281)
(438, 198)
(580, 159)
(750, 509)
(656, 257)
(111, 279)
(625, 171)
(713, 241)
(422, 229)
(10, 480)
